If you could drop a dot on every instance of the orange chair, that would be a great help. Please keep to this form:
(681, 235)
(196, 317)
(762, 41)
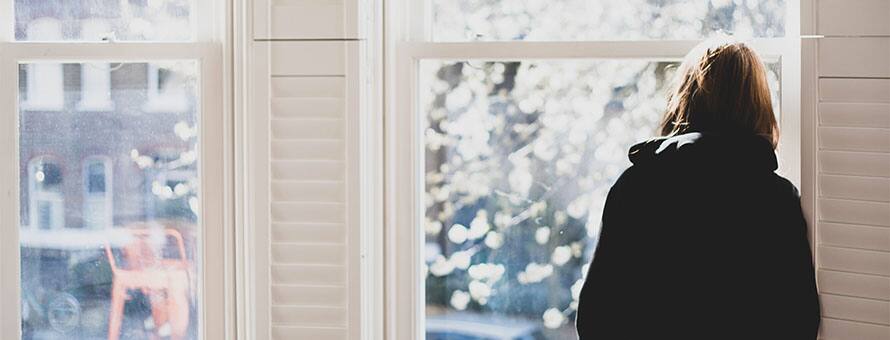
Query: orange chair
(164, 281)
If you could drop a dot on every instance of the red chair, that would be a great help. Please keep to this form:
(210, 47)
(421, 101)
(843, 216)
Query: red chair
(163, 280)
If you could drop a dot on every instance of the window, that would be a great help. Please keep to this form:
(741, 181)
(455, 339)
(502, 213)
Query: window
(511, 120)
(97, 199)
(100, 251)
(164, 93)
(45, 196)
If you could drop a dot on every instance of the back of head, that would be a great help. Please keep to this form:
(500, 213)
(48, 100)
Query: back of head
(721, 87)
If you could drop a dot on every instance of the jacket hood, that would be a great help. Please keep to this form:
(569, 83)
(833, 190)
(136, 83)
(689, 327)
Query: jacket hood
(737, 151)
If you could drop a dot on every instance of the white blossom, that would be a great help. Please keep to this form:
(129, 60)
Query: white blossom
(542, 235)
(561, 255)
(534, 273)
(553, 318)
(460, 299)
(457, 234)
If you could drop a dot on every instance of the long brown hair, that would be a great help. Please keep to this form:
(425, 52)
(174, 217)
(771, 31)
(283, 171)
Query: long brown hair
(721, 87)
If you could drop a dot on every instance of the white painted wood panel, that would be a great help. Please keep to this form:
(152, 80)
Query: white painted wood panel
(846, 90)
(308, 149)
(854, 260)
(308, 253)
(314, 107)
(854, 139)
(874, 115)
(306, 332)
(853, 17)
(856, 188)
(306, 20)
(307, 87)
(308, 170)
(309, 295)
(854, 57)
(308, 212)
(308, 129)
(854, 163)
(319, 232)
(834, 329)
(854, 212)
(856, 309)
(311, 315)
(856, 285)
(309, 274)
(308, 191)
(854, 236)
(308, 58)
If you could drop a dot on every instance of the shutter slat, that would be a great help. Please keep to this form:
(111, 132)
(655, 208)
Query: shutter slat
(306, 295)
(308, 20)
(308, 191)
(319, 232)
(855, 188)
(855, 163)
(331, 254)
(304, 274)
(308, 87)
(309, 315)
(307, 128)
(307, 108)
(854, 260)
(840, 90)
(856, 309)
(854, 236)
(308, 212)
(854, 212)
(854, 139)
(308, 170)
(858, 285)
(833, 329)
(875, 115)
(301, 333)
(307, 149)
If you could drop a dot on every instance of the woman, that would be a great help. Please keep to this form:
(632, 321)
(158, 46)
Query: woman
(700, 238)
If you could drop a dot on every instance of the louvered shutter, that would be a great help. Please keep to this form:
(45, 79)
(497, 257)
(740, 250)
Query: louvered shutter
(304, 84)
(853, 168)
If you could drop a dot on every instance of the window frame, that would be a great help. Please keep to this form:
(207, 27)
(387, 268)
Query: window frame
(408, 41)
(216, 291)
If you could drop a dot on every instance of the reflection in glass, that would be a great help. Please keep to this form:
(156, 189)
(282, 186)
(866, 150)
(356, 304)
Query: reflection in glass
(567, 20)
(60, 20)
(108, 241)
(519, 157)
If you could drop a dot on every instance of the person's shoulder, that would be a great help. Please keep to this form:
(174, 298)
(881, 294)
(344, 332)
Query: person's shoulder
(784, 186)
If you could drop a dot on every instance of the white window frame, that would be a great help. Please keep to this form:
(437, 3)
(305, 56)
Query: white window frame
(408, 42)
(216, 292)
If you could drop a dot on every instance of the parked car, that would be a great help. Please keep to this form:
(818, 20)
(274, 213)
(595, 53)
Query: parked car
(474, 326)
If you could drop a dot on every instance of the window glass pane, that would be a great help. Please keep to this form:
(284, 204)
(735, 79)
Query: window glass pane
(469, 20)
(519, 157)
(135, 20)
(108, 244)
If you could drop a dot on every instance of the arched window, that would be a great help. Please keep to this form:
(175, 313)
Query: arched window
(45, 197)
(45, 86)
(97, 200)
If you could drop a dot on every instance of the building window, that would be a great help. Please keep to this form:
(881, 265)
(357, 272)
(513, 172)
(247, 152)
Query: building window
(44, 85)
(45, 197)
(164, 91)
(97, 200)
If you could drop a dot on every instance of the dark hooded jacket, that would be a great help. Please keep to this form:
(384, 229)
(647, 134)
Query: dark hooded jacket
(701, 239)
